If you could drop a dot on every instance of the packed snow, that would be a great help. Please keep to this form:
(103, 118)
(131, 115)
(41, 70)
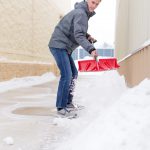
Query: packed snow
(115, 117)
(26, 81)
(8, 140)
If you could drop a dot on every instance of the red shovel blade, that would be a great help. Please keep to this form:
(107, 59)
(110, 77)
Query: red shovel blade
(100, 65)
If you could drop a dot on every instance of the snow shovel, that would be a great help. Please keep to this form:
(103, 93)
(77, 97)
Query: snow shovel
(96, 64)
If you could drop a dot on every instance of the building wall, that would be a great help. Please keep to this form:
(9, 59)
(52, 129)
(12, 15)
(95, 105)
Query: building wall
(132, 39)
(25, 29)
(132, 26)
(121, 40)
(136, 67)
(17, 70)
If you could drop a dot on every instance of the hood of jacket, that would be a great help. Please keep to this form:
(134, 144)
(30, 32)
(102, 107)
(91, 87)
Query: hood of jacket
(84, 5)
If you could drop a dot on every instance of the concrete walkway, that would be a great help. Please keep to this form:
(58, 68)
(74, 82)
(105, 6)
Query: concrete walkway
(25, 117)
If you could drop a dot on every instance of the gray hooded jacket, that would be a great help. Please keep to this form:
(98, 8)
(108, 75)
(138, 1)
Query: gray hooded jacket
(71, 31)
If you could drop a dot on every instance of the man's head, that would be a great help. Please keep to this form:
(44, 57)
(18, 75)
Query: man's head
(92, 4)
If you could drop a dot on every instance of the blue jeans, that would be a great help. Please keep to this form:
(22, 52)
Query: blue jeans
(68, 75)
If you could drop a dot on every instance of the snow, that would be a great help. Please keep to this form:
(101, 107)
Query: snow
(25, 82)
(8, 140)
(115, 117)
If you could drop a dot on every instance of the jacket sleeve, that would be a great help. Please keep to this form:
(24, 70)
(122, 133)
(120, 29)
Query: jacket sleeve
(80, 31)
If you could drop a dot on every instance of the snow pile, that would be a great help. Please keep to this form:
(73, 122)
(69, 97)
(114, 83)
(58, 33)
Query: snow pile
(8, 140)
(115, 118)
(26, 81)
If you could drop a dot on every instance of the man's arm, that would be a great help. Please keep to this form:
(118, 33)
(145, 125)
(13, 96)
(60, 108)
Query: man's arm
(80, 31)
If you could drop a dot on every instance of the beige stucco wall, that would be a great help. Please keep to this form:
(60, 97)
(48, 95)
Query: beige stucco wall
(136, 67)
(25, 30)
(132, 25)
(11, 70)
(132, 34)
(26, 27)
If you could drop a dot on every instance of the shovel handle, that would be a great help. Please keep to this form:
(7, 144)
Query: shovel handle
(96, 58)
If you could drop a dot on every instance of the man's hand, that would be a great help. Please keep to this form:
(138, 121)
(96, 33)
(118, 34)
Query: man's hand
(91, 39)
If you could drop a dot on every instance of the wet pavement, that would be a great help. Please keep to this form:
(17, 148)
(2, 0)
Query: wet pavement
(26, 117)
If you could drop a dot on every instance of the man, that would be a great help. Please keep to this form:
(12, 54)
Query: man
(70, 33)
